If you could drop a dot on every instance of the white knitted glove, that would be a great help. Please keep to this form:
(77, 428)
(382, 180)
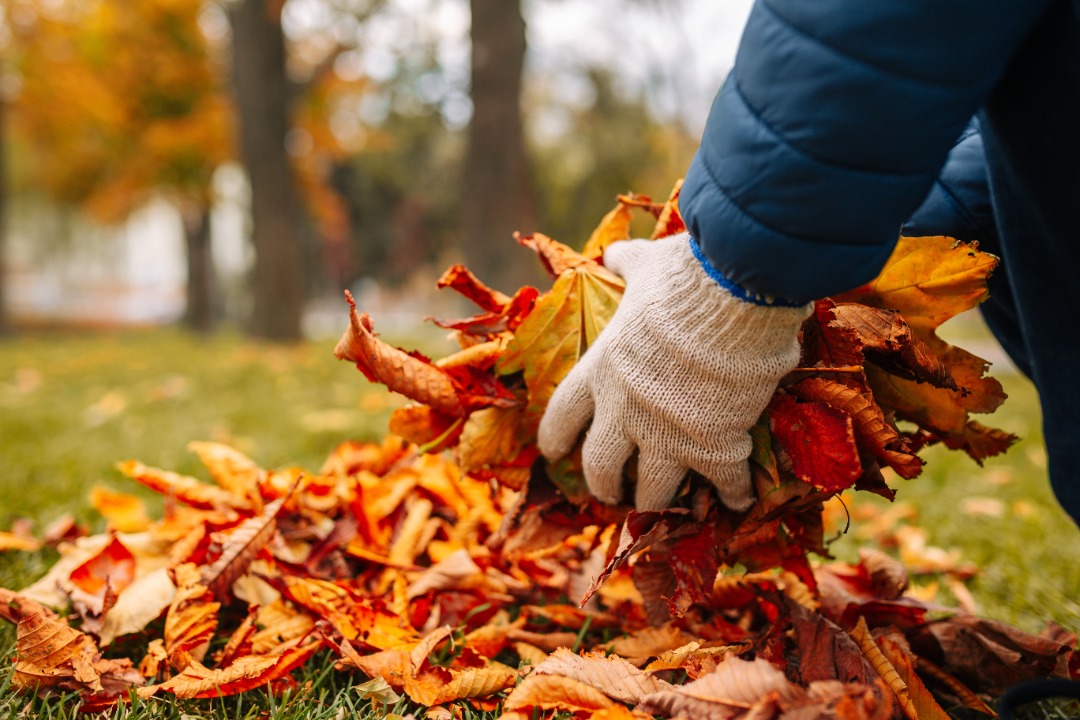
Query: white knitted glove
(681, 372)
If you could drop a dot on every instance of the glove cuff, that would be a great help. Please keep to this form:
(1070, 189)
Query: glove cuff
(736, 290)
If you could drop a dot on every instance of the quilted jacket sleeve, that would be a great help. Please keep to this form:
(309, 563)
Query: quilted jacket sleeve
(958, 204)
(832, 128)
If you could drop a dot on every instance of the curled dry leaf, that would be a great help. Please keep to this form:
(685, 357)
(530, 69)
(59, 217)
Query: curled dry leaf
(411, 376)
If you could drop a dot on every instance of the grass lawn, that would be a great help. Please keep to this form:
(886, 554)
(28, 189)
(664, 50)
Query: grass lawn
(73, 404)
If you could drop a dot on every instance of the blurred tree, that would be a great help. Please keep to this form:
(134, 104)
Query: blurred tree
(497, 190)
(609, 144)
(119, 102)
(262, 92)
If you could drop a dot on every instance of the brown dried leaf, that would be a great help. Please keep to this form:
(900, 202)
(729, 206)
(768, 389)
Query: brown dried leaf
(399, 371)
(888, 341)
(884, 668)
(924, 704)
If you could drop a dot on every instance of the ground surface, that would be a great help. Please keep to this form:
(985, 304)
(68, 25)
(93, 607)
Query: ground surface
(72, 405)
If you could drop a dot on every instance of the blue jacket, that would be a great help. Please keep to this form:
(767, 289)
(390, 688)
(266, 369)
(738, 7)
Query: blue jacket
(833, 126)
(833, 129)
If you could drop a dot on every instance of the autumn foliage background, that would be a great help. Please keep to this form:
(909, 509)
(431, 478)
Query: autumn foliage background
(268, 534)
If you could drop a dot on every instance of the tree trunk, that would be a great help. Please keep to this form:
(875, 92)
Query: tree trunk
(200, 313)
(262, 101)
(5, 324)
(498, 191)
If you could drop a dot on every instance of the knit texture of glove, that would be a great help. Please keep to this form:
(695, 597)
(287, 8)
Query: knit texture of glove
(681, 372)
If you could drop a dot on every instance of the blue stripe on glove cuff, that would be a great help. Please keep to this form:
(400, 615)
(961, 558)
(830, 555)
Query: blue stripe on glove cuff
(737, 290)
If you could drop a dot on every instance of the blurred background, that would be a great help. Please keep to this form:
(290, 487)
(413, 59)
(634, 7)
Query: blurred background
(243, 161)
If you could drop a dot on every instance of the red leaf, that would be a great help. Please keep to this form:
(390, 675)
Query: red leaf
(819, 440)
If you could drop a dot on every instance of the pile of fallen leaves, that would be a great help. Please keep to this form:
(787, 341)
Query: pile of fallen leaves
(452, 564)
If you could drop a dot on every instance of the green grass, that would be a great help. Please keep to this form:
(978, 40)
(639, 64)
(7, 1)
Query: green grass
(73, 404)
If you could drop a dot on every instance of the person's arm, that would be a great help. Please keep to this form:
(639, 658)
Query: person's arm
(832, 128)
(958, 204)
(828, 134)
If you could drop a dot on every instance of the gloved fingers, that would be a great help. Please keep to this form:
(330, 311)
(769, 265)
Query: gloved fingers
(733, 485)
(569, 409)
(624, 256)
(658, 479)
(603, 456)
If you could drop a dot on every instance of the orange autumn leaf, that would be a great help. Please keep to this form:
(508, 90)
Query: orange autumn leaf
(554, 692)
(439, 685)
(929, 280)
(408, 375)
(669, 221)
(558, 258)
(245, 673)
(112, 566)
(123, 512)
(884, 668)
(614, 227)
(229, 468)
(188, 490)
(925, 706)
(432, 430)
(492, 436)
